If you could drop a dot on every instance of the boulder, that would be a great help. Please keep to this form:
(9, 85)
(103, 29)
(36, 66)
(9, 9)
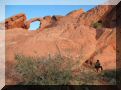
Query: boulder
(16, 21)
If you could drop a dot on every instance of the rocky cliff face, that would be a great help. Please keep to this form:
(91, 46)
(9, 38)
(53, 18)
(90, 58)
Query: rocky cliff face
(97, 14)
(16, 21)
(71, 36)
(20, 21)
(75, 13)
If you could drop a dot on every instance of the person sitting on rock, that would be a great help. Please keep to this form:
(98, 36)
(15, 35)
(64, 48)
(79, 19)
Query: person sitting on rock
(98, 66)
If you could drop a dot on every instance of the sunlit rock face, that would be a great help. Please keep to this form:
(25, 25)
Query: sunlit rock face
(20, 21)
(72, 36)
(16, 21)
(76, 13)
(98, 14)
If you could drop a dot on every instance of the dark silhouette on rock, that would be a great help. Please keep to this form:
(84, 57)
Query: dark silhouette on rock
(98, 66)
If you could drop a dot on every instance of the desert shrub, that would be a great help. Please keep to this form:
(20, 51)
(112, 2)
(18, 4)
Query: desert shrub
(58, 70)
(97, 25)
(44, 71)
(110, 76)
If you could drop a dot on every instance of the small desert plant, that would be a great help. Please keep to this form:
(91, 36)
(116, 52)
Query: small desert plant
(58, 70)
(110, 76)
(44, 71)
(97, 25)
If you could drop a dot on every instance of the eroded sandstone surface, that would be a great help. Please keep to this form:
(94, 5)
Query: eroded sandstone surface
(72, 35)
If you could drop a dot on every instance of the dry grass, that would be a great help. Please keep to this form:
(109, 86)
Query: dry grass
(58, 70)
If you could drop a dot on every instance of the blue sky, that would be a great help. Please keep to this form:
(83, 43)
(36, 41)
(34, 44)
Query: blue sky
(32, 11)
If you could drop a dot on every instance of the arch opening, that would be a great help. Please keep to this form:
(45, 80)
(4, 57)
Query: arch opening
(35, 25)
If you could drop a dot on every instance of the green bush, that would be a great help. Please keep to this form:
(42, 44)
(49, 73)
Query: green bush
(110, 76)
(58, 70)
(44, 71)
(97, 25)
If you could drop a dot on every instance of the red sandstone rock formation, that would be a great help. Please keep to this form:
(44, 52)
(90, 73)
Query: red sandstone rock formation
(98, 14)
(19, 21)
(75, 13)
(71, 36)
(66, 35)
(16, 21)
(27, 23)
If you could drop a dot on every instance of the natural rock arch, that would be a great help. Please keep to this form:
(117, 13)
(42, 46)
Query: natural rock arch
(19, 21)
(28, 23)
(44, 22)
(36, 25)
